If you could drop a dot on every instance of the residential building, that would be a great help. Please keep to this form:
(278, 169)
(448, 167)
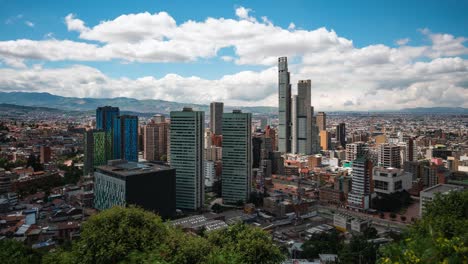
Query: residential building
(209, 174)
(322, 121)
(5, 181)
(45, 154)
(155, 140)
(355, 150)
(389, 155)
(361, 183)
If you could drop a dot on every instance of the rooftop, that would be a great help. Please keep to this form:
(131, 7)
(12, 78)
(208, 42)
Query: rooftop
(130, 168)
(442, 188)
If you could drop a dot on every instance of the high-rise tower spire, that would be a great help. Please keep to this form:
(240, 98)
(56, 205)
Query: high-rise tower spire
(284, 106)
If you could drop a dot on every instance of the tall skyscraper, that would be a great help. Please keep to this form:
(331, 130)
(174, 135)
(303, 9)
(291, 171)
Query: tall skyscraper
(105, 116)
(155, 139)
(361, 189)
(125, 138)
(302, 119)
(322, 121)
(237, 157)
(216, 117)
(389, 156)
(97, 149)
(341, 134)
(186, 151)
(284, 106)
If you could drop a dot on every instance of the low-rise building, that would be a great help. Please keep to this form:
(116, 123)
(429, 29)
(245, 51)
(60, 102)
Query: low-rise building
(427, 195)
(149, 185)
(390, 180)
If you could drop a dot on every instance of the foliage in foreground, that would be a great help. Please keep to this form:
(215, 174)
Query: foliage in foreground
(132, 235)
(358, 250)
(13, 252)
(441, 236)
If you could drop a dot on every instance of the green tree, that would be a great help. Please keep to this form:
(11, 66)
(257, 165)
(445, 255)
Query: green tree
(439, 237)
(110, 235)
(187, 248)
(359, 251)
(59, 256)
(370, 233)
(328, 243)
(250, 244)
(13, 252)
(132, 235)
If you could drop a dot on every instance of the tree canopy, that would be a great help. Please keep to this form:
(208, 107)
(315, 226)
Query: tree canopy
(439, 237)
(132, 235)
(13, 252)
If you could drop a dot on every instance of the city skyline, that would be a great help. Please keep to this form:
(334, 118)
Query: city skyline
(70, 52)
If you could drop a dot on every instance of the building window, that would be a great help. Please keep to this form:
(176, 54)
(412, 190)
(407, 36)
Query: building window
(398, 185)
(382, 185)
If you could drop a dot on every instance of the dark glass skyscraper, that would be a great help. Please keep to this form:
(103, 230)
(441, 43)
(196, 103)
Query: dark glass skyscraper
(341, 134)
(216, 117)
(105, 116)
(284, 106)
(125, 138)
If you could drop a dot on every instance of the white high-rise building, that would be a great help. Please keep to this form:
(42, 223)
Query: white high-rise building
(389, 156)
(361, 184)
(355, 150)
(209, 174)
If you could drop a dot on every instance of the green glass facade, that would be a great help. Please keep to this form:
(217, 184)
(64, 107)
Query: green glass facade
(237, 157)
(186, 152)
(108, 191)
(97, 149)
(100, 143)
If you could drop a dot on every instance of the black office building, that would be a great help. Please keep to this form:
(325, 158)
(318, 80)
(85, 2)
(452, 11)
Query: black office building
(148, 185)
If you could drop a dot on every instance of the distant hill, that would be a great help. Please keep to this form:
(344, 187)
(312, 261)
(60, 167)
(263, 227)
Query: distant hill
(150, 106)
(436, 110)
(124, 103)
(22, 109)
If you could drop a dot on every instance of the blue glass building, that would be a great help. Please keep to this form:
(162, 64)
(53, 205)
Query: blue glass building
(105, 116)
(125, 137)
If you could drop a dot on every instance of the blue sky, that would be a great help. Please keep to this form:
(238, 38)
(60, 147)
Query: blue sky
(337, 44)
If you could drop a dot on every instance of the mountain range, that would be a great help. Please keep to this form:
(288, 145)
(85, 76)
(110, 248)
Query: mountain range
(124, 103)
(155, 106)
